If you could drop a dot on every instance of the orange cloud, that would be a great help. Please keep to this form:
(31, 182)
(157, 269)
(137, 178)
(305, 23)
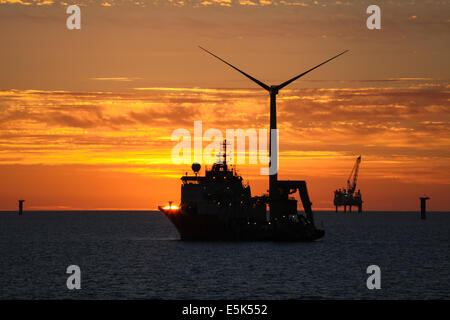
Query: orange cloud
(402, 133)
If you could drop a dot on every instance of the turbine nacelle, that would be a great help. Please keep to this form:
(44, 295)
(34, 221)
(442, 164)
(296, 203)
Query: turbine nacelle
(273, 89)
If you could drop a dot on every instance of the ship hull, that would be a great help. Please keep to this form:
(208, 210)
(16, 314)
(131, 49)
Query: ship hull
(193, 227)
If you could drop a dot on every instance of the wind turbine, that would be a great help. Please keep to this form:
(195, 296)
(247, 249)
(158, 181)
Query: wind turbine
(273, 91)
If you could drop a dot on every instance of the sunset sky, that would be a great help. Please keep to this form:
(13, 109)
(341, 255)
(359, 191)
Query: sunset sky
(87, 115)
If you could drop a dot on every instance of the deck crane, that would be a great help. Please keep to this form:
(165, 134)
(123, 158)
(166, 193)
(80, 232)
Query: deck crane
(349, 197)
(352, 186)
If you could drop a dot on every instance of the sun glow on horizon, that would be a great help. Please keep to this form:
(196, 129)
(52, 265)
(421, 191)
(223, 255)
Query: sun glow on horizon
(127, 136)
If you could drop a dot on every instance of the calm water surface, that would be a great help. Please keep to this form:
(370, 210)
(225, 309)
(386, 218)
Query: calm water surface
(130, 255)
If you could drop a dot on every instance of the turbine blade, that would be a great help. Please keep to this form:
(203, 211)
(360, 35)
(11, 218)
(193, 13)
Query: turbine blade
(265, 86)
(284, 84)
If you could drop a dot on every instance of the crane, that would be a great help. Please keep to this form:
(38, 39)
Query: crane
(351, 186)
(349, 197)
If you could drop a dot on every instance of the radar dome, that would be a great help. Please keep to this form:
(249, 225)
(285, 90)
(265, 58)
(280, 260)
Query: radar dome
(196, 167)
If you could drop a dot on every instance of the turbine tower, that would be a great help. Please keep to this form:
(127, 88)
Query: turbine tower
(273, 91)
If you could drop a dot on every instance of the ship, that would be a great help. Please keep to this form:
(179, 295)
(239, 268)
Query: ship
(218, 206)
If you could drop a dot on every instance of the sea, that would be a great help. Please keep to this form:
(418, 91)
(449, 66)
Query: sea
(138, 255)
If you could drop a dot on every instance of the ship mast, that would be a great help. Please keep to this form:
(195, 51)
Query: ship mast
(224, 152)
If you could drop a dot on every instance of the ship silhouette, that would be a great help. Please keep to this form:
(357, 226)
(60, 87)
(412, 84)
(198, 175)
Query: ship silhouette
(218, 206)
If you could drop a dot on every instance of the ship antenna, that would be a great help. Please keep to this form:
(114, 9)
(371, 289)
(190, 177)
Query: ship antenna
(225, 151)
